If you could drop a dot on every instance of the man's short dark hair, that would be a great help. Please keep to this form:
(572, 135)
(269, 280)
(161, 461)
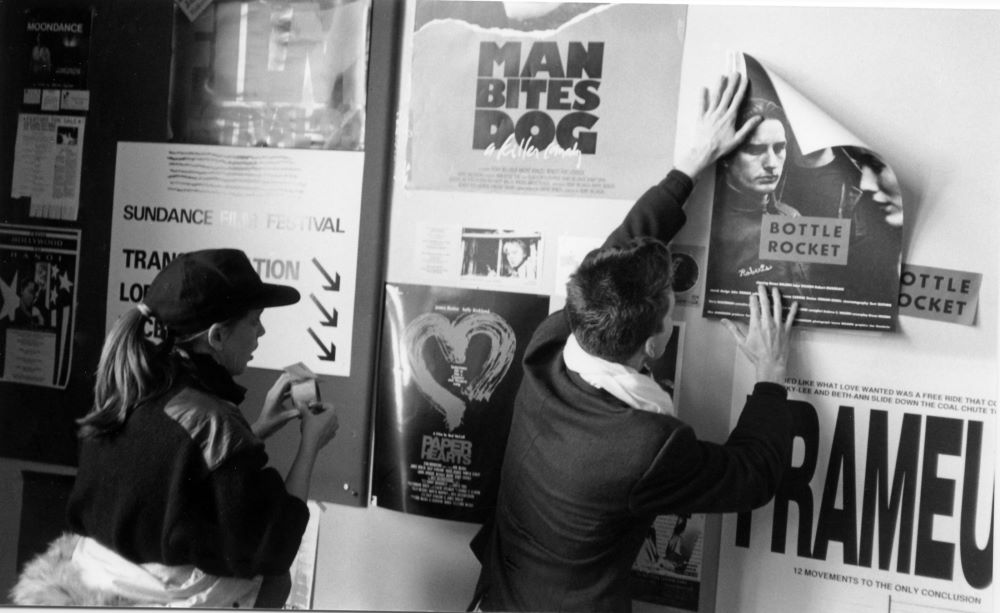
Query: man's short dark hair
(618, 296)
(763, 108)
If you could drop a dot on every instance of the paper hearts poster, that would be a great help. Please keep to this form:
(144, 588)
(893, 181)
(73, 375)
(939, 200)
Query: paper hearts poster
(451, 366)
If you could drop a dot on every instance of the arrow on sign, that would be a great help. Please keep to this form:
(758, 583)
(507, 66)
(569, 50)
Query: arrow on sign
(329, 354)
(333, 283)
(331, 318)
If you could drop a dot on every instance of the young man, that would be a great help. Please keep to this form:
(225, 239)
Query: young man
(595, 451)
(747, 189)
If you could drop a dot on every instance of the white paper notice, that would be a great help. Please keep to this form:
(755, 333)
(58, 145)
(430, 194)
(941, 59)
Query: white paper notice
(303, 570)
(295, 212)
(47, 161)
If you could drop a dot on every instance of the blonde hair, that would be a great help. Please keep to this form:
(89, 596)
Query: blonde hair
(131, 370)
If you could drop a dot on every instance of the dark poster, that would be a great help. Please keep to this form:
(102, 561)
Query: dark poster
(59, 43)
(668, 569)
(450, 368)
(797, 208)
(38, 276)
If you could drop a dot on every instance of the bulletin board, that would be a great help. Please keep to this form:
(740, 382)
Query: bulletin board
(144, 93)
(36, 421)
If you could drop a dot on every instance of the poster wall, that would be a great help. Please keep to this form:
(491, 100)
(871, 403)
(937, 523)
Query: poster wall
(294, 212)
(540, 98)
(450, 367)
(48, 150)
(38, 277)
(888, 503)
(805, 206)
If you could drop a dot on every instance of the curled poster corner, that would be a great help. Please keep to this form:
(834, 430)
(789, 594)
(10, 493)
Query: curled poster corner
(805, 206)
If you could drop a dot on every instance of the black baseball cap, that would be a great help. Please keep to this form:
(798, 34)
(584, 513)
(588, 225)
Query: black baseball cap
(200, 288)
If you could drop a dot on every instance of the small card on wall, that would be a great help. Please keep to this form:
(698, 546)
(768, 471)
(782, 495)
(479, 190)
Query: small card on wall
(305, 390)
(939, 293)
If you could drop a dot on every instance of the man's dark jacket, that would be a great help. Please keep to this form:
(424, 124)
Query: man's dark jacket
(584, 475)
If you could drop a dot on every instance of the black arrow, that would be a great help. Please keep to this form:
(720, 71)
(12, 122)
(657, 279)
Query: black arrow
(333, 283)
(331, 319)
(328, 355)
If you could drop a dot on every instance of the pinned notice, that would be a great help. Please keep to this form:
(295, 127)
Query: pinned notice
(939, 293)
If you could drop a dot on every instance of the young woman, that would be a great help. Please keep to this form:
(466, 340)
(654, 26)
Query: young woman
(174, 503)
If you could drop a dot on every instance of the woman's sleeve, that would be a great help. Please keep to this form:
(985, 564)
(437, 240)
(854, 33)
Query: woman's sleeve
(260, 525)
(232, 515)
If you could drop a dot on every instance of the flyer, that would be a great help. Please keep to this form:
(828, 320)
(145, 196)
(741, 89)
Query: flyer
(450, 369)
(48, 156)
(38, 277)
(295, 213)
(541, 98)
(59, 44)
(668, 569)
(689, 273)
(804, 206)
(888, 501)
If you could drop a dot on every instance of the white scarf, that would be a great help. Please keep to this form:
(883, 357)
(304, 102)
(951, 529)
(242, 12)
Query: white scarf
(157, 585)
(625, 383)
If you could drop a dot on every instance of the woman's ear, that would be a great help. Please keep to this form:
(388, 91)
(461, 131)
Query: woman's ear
(216, 335)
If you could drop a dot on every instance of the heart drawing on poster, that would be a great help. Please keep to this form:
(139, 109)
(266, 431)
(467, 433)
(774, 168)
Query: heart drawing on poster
(453, 339)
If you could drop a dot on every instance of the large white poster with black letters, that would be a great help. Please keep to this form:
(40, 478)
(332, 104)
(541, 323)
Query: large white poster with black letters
(294, 212)
(888, 502)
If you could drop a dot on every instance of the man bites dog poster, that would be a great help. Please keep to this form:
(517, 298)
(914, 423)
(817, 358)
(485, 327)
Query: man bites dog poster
(541, 98)
(450, 370)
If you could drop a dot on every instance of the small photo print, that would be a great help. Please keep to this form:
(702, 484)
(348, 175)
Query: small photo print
(688, 269)
(501, 254)
(67, 135)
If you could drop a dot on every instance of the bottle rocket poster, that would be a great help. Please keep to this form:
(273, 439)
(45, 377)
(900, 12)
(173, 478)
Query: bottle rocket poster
(541, 97)
(888, 502)
(807, 207)
(450, 368)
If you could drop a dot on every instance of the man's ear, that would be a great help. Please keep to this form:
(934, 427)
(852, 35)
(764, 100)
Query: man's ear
(650, 347)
